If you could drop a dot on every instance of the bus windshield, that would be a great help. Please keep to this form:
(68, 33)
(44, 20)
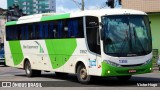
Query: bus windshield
(126, 35)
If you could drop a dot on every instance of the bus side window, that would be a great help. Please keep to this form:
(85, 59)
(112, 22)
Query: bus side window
(55, 30)
(45, 27)
(65, 34)
(15, 33)
(23, 35)
(65, 29)
(41, 29)
(37, 31)
(75, 28)
(80, 28)
(8, 33)
(30, 32)
(60, 29)
(26, 32)
(34, 31)
(72, 28)
(19, 32)
(50, 30)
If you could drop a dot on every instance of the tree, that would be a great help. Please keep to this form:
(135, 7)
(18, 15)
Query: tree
(14, 12)
(110, 3)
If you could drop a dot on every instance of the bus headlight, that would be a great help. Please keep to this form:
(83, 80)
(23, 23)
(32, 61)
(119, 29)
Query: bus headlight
(112, 63)
(148, 61)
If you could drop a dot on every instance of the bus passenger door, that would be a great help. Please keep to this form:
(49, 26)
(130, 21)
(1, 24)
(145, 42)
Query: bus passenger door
(93, 41)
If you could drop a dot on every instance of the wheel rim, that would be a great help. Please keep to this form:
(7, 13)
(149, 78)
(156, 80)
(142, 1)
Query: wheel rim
(83, 73)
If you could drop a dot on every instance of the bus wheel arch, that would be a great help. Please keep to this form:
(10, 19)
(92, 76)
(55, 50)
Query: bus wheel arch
(82, 74)
(77, 64)
(29, 71)
(25, 60)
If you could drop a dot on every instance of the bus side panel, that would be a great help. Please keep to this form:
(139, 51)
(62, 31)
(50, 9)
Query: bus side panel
(77, 55)
(60, 51)
(8, 56)
(14, 55)
(81, 54)
(36, 52)
(16, 52)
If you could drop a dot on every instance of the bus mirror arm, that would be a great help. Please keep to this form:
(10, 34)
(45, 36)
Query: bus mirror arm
(98, 37)
(102, 34)
(101, 24)
(102, 31)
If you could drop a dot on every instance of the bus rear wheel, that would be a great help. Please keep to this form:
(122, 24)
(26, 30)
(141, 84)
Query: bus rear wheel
(82, 75)
(29, 71)
(124, 78)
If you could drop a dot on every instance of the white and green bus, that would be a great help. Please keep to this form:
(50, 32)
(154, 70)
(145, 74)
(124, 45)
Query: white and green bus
(109, 42)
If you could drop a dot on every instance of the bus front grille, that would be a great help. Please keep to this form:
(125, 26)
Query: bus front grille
(135, 65)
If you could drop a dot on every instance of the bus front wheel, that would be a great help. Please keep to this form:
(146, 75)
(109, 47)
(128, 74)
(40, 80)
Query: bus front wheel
(29, 71)
(124, 78)
(82, 75)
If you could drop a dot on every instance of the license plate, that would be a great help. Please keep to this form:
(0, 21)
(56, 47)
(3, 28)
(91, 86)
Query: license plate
(132, 71)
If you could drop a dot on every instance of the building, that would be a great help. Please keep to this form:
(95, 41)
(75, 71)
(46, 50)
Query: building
(34, 6)
(152, 8)
(2, 29)
(2, 24)
(2, 11)
(143, 5)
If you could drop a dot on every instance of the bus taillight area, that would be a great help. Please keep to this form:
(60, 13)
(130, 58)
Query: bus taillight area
(110, 70)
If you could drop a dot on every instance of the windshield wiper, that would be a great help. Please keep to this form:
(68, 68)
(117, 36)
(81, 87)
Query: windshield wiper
(136, 38)
(123, 44)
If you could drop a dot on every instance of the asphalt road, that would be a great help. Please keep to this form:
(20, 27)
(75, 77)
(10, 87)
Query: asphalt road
(152, 80)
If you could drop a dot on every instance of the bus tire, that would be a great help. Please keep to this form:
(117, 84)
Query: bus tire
(5, 65)
(29, 71)
(82, 74)
(124, 78)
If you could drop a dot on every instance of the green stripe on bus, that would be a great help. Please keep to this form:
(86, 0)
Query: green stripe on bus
(60, 51)
(16, 52)
(55, 17)
(11, 23)
(121, 71)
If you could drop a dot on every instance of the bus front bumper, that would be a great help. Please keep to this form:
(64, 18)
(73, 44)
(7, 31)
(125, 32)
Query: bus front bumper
(109, 70)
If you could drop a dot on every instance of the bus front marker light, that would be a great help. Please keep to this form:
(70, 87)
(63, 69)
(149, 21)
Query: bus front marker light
(109, 72)
(150, 68)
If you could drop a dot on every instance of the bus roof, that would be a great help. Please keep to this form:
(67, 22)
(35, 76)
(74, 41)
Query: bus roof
(56, 16)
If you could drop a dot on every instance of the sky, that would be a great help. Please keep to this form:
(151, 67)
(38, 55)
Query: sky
(69, 5)
(3, 4)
